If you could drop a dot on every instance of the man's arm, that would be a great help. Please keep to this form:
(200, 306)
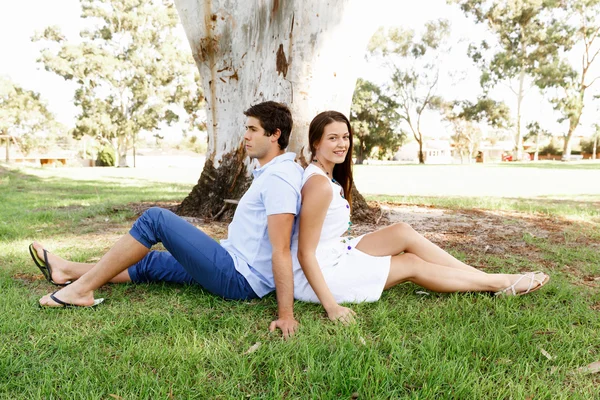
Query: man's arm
(280, 232)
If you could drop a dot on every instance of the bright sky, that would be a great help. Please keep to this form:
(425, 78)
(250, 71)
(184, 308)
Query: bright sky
(19, 20)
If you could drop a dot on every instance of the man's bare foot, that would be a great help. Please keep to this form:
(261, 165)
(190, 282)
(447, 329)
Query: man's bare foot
(56, 265)
(524, 284)
(69, 296)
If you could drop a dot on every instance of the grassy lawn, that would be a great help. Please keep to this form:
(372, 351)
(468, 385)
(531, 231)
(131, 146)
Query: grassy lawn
(175, 342)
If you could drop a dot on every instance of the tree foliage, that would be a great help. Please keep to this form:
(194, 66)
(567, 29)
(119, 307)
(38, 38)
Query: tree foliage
(130, 68)
(375, 121)
(414, 62)
(581, 27)
(24, 115)
(592, 145)
(465, 117)
(526, 32)
(536, 132)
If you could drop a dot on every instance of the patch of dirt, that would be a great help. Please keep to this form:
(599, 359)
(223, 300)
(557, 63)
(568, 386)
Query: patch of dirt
(479, 232)
(474, 232)
(28, 278)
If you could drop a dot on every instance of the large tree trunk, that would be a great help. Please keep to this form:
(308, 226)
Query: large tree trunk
(302, 53)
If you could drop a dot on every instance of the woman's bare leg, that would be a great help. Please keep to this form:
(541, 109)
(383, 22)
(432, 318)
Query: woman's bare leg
(65, 270)
(408, 267)
(126, 252)
(401, 237)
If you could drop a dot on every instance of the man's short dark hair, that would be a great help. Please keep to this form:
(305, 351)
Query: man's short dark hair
(273, 116)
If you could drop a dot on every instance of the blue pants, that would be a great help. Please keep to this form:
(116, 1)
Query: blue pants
(193, 257)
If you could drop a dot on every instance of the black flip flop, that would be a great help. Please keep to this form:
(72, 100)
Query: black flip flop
(69, 305)
(44, 265)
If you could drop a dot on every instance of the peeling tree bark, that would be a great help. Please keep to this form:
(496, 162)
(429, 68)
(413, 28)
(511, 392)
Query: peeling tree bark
(302, 53)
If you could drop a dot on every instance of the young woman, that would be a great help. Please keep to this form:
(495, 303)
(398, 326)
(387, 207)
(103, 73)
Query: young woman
(333, 268)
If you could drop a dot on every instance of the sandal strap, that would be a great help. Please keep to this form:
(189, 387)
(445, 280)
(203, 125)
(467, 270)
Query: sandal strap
(59, 301)
(532, 280)
(511, 288)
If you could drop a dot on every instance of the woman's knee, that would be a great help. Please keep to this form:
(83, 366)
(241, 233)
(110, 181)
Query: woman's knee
(403, 230)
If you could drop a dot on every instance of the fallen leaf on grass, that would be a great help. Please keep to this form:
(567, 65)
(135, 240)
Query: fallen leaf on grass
(592, 368)
(253, 348)
(362, 340)
(546, 354)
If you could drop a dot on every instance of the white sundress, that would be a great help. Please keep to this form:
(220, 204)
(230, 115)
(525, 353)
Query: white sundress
(352, 276)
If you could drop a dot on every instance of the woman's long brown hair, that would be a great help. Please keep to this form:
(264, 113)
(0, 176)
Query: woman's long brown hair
(342, 173)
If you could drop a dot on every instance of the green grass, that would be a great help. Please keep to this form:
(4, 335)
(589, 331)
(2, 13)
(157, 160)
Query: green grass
(166, 341)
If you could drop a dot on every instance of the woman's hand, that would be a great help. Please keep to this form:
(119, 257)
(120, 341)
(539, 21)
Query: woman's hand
(341, 314)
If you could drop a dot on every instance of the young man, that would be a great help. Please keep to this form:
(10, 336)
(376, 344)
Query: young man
(254, 260)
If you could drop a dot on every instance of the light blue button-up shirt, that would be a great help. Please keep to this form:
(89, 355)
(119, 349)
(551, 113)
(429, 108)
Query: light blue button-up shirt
(274, 190)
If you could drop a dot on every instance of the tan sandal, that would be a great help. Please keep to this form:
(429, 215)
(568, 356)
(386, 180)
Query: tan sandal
(510, 290)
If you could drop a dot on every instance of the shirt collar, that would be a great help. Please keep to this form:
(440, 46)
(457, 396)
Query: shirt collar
(280, 158)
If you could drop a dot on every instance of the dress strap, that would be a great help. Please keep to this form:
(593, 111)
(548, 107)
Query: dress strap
(311, 171)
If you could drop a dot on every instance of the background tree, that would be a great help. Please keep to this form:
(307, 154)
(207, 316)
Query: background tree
(581, 19)
(130, 68)
(466, 138)
(302, 53)
(465, 117)
(592, 146)
(25, 116)
(414, 62)
(375, 121)
(523, 31)
(535, 131)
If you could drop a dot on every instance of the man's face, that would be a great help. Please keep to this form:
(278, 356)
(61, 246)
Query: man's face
(257, 144)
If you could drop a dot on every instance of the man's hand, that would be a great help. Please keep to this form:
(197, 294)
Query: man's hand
(288, 326)
(341, 314)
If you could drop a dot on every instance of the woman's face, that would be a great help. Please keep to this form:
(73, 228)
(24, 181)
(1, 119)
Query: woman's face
(334, 143)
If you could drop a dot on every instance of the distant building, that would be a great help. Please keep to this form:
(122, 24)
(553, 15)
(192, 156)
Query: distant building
(494, 152)
(434, 152)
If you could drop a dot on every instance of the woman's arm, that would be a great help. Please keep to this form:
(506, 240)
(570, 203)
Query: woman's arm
(316, 198)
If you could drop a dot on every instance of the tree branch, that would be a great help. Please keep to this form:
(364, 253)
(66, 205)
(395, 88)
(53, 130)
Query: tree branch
(592, 82)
